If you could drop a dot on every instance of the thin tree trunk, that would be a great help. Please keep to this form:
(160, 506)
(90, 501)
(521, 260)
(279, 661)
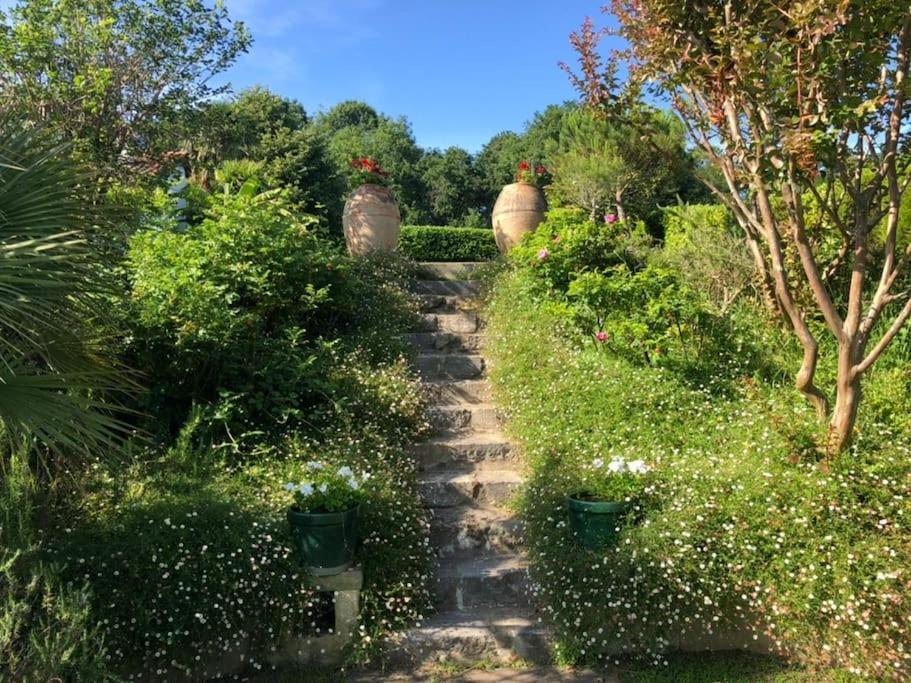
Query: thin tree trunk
(621, 212)
(847, 397)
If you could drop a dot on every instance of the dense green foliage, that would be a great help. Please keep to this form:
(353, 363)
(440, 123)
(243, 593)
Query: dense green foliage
(239, 315)
(263, 348)
(114, 77)
(434, 243)
(743, 529)
(56, 375)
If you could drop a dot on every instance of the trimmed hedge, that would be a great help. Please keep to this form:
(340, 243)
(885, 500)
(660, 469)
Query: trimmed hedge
(436, 243)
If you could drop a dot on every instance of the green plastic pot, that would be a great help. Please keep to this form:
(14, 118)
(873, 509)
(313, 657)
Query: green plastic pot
(595, 523)
(325, 541)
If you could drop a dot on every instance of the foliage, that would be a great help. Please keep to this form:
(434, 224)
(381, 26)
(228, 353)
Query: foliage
(46, 631)
(536, 175)
(434, 243)
(324, 489)
(365, 171)
(258, 126)
(239, 315)
(703, 245)
(452, 185)
(574, 244)
(111, 76)
(766, 99)
(615, 481)
(496, 165)
(602, 165)
(389, 142)
(57, 380)
(743, 531)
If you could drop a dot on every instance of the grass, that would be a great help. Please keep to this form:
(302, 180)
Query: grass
(730, 667)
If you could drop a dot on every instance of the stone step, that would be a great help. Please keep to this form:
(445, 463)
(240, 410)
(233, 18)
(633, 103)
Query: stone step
(457, 392)
(460, 323)
(461, 530)
(447, 287)
(495, 635)
(481, 451)
(447, 270)
(449, 365)
(455, 419)
(481, 581)
(451, 488)
(445, 342)
(443, 303)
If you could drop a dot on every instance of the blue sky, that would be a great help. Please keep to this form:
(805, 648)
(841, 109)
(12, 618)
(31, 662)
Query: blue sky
(460, 70)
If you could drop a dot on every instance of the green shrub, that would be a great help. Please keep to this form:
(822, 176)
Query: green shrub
(742, 530)
(708, 250)
(606, 284)
(568, 243)
(46, 629)
(187, 555)
(432, 243)
(681, 222)
(241, 315)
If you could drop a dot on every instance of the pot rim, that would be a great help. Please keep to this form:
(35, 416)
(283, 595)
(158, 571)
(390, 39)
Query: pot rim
(324, 516)
(598, 506)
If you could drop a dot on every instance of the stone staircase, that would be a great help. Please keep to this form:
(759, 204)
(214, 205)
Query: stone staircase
(467, 473)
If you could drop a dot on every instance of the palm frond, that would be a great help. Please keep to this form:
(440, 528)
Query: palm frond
(57, 384)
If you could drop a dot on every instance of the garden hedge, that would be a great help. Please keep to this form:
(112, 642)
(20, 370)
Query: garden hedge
(437, 243)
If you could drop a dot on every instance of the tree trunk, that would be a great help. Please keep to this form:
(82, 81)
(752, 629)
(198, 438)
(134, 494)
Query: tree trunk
(621, 212)
(847, 398)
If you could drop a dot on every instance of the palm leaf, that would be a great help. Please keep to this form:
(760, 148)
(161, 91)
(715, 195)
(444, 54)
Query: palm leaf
(56, 383)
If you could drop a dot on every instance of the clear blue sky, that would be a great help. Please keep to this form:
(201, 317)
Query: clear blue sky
(460, 70)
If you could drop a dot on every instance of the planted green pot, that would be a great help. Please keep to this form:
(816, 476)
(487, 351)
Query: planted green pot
(325, 541)
(595, 523)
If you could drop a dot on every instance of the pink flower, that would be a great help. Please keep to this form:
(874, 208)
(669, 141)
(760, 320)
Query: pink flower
(543, 254)
(610, 218)
(601, 336)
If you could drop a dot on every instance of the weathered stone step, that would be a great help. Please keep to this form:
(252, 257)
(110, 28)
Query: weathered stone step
(464, 529)
(482, 451)
(461, 323)
(443, 303)
(447, 270)
(448, 342)
(447, 287)
(491, 635)
(458, 392)
(450, 488)
(449, 365)
(454, 419)
(481, 581)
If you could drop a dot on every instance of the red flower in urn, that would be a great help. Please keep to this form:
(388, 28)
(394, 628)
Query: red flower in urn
(533, 175)
(366, 170)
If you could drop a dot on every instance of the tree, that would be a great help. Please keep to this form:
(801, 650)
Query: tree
(54, 370)
(595, 165)
(349, 113)
(111, 77)
(803, 106)
(496, 166)
(389, 142)
(452, 185)
(259, 125)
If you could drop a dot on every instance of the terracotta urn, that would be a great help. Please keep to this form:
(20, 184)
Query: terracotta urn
(519, 209)
(371, 220)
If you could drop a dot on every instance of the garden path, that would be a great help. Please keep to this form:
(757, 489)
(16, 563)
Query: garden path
(468, 472)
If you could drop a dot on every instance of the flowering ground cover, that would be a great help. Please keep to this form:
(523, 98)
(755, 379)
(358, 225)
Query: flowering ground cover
(744, 527)
(265, 349)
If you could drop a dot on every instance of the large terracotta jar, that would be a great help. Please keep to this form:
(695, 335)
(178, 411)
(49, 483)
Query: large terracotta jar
(519, 209)
(371, 220)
